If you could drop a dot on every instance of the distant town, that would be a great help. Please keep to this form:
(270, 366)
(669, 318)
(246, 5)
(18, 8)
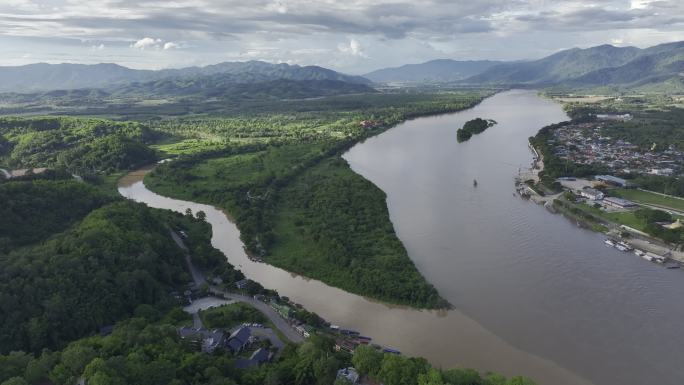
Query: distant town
(585, 143)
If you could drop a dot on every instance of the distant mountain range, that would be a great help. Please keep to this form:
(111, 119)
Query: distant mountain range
(434, 71)
(656, 68)
(46, 77)
(605, 65)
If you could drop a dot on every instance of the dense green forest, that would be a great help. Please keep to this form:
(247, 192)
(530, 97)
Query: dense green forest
(148, 351)
(250, 164)
(118, 258)
(32, 211)
(332, 224)
(357, 251)
(90, 259)
(83, 146)
(229, 316)
(473, 127)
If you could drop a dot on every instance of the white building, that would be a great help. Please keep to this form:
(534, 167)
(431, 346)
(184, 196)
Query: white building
(662, 171)
(592, 194)
(623, 117)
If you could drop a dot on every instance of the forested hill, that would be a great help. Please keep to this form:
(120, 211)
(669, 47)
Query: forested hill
(658, 67)
(438, 71)
(228, 86)
(83, 146)
(45, 77)
(31, 211)
(119, 257)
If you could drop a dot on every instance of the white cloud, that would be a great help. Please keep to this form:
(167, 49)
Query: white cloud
(353, 48)
(171, 45)
(385, 32)
(146, 43)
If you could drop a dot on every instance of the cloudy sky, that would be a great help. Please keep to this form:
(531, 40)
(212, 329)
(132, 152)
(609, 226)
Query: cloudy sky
(353, 36)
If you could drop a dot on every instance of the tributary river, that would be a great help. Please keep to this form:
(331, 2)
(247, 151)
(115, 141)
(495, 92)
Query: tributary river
(533, 293)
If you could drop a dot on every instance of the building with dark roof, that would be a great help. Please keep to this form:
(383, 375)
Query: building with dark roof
(239, 339)
(260, 356)
(609, 179)
(619, 202)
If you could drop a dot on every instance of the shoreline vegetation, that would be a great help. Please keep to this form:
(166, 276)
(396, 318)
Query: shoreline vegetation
(145, 347)
(243, 161)
(292, 212)
(657, 200)
(96, 242)
(473, 127)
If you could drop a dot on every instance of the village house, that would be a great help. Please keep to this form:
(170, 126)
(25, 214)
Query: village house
(257, 358)
(207, 340)
(592, 194)
(239, 339)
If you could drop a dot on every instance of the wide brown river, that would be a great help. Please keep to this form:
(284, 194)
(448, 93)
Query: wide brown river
(533, 293)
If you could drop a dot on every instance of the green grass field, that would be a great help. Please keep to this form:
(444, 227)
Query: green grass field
(646, 197)
(626, 218)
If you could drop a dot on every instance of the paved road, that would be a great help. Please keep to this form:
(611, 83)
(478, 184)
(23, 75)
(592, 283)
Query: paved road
(268, 311)
(269, 334)
(197, 275)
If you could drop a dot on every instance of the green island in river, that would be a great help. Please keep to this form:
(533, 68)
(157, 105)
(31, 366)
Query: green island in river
(473, 127)
(300, 207)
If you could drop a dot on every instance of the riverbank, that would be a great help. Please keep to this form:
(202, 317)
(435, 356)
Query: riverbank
(594, 220)
(510, 265)
(455, 340)
(533, 295)
(301, 185)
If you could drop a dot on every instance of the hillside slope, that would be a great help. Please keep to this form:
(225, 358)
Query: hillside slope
(45, 77)
(658, 67)
(441, 70)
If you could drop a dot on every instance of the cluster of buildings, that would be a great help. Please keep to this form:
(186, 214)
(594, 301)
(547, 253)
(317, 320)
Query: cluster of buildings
(584, 143)
(239, 341)
(287, 312)
(598, 196)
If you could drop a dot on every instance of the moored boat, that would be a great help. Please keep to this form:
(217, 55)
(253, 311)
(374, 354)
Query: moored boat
(609, 242)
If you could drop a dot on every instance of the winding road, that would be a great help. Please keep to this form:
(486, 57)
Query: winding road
(288, 331)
